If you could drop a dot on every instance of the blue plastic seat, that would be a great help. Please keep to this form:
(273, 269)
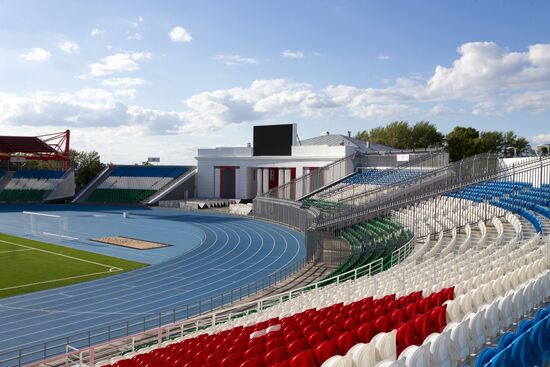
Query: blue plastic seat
(485, 356)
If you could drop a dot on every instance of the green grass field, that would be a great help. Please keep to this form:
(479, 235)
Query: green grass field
(29, 266)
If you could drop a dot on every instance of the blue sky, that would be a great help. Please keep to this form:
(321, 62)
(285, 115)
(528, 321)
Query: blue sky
(136, 79)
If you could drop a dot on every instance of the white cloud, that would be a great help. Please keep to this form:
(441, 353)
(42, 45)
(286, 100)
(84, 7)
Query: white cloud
(69, 47)
(96, 32)
(532, 101)
(118, 63)
(441, 110)
(289, 54)
(180, 34)
(232, 60)
(541, 139)
(383, 57)
(134, 36)
(36, 54)
(140, 19)
(123, 82)
(485, 67)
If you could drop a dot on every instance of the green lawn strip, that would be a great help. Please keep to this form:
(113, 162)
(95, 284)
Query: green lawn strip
(29, 266)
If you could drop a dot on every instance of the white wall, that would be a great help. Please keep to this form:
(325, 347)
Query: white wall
(303, 157)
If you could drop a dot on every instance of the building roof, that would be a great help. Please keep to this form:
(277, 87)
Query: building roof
(24, 144)
(337, 139)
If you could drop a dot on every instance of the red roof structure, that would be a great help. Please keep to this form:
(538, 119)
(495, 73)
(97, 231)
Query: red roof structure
(50, 147)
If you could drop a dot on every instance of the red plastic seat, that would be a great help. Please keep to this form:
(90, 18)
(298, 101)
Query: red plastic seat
(315, 338)
(325, 324)
(412, 310)
(366, 316)
(424, 305)
(275, 356)
(252, 362)
(383, 324)
(345, 341)
(334, 330)
(365, 332)
(324, 351)
(297, 346)
(422, 327)
(274, 344)
(256, 341)
(215, 357)
(255, 351)
(398, 318)
(303, 359)
(439, 318)
(405, 337)
(309, 329)
(291, 336)
(231, 360)
(237, 349)
(351, 323)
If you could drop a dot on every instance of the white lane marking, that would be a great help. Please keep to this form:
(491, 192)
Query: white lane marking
(7, 252)
(62, 255)
(55, 280)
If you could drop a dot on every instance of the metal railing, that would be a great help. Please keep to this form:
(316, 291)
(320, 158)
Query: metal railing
(102, 351)
(314, 180)
(21, 356)
(403, 252)
(458, 174)
(428, 160)
(285, 212)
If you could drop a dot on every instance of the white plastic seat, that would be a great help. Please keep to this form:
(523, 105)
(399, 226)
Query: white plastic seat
(476, 330)
(491, 318)
(338, 361)
(363, 355)
(440, 349)
(415, 356)
(385, 345)
(460, 347)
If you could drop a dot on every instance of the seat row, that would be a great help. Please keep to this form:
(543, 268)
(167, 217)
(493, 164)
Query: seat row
(529, 345)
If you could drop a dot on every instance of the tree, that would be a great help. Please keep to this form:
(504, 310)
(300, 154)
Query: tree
(362, 135)
(400, 135)
(490, 142)
(87, 165)
(514, 144)
(424, 135)
(462, 142)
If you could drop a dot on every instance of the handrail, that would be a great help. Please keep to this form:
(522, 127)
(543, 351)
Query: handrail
(168, 187)
(306, 176)
(158, 335)
(85, 190)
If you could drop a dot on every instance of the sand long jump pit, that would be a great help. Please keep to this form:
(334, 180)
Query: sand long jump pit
(130, 242)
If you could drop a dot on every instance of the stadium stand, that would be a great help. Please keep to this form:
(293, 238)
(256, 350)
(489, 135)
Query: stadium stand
(476, 265)
(370, 241)
(133, 184)
(380, 176)
(405, 316)
(527, 346)
(30, 186)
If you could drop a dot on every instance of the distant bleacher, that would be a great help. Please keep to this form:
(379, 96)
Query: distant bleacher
(133, 184)
(381, 176)
(30, 186)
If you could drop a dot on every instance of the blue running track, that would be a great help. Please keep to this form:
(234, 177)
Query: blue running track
(210, 254)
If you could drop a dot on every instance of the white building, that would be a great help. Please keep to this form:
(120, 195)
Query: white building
(235, 172)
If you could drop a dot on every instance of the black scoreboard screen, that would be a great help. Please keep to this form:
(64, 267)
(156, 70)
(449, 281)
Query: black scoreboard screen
(273, 140)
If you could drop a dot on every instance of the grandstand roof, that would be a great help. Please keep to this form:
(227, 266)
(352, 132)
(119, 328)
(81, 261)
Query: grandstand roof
(24, 144)
(337, 139)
